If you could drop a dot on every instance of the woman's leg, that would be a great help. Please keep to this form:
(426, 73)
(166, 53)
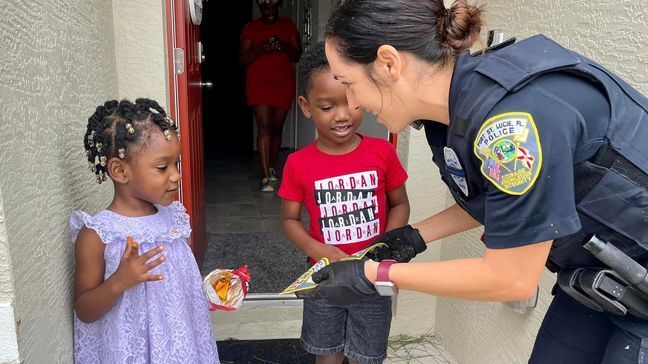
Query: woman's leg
(263, 115)
(627, 347)
(571, 333)
(276, 131)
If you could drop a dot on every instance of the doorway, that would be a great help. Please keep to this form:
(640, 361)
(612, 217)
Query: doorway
(234, 224)
(243, 224)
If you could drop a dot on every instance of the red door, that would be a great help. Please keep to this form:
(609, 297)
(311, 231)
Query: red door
(185, 106)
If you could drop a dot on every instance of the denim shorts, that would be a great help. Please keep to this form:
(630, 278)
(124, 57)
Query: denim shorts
(360, 330)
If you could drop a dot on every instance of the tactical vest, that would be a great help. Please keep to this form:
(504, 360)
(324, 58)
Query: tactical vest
(611, 186)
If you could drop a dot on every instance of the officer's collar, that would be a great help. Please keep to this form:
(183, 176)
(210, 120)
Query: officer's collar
(463, 67)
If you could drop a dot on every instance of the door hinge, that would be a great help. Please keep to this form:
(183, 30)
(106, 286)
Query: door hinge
(179, 63)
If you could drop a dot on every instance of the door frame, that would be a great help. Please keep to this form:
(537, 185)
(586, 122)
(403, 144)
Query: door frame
(176, 13)
(172, 83)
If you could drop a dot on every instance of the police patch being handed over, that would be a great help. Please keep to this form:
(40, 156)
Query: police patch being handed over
(509, 149)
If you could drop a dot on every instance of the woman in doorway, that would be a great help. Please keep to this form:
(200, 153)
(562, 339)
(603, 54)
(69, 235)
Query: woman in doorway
(541, 146)
(269, 47)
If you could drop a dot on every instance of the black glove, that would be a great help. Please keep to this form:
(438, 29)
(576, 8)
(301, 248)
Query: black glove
(403, 244)
(342, 283)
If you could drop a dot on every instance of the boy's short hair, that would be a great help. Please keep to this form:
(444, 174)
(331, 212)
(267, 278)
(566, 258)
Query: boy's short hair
(312, 61)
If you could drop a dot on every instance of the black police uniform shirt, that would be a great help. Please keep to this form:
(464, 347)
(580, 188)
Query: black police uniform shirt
(514, 171)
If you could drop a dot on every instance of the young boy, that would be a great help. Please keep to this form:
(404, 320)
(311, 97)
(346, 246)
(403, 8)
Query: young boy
(353, 189)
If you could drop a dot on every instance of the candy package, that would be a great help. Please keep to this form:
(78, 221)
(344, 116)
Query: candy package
(305, 281)
(226, 288)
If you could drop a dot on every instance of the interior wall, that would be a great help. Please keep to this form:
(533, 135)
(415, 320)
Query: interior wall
(57, 65)
(611, 32)
(304, 128)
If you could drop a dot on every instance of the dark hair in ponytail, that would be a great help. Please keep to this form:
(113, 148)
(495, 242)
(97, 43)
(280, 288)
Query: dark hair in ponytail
(115, 127)
(422, 27)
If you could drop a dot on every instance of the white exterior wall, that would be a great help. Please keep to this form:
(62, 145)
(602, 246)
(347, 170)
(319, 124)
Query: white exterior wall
(64, 58)
(415, 313)
(57, 64)
(140, 49)
(8, 340)
(611, 32)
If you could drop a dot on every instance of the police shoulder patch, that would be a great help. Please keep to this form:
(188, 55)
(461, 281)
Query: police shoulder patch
(509, 148)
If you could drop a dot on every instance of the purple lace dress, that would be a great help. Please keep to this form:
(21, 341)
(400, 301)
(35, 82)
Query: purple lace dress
(154, 322)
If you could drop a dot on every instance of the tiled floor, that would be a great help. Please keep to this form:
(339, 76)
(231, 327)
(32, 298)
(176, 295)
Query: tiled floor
(244, 224)
(233, 200)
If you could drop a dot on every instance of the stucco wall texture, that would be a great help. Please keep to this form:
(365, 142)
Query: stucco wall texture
(611, 32)
(6, 276)
(416, 312)
(140, 49)
(8, 341)
(57, 64)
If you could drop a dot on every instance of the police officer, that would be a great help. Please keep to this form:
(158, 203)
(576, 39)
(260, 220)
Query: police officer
(543, 147)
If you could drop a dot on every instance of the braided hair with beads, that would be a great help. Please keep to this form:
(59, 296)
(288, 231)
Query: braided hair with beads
(116, 127)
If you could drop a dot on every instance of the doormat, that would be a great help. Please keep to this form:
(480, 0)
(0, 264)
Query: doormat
(263, 351)
(273, 261)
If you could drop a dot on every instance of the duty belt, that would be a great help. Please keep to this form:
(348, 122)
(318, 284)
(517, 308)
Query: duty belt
(620, 289)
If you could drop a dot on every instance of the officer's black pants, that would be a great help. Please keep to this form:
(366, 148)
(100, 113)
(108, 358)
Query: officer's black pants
(573, 334)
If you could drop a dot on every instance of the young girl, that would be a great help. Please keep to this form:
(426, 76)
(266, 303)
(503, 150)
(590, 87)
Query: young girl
(137, 289)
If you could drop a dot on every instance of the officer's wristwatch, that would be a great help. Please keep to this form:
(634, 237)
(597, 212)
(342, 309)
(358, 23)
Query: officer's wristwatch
(384, 286)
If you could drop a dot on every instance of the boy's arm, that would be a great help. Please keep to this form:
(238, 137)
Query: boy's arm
(296, 232)
(399, 209)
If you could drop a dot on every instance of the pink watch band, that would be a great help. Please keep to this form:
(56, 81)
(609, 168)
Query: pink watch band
(383, 270)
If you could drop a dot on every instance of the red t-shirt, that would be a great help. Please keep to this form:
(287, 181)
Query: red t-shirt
(345, 195)
(273, 67)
